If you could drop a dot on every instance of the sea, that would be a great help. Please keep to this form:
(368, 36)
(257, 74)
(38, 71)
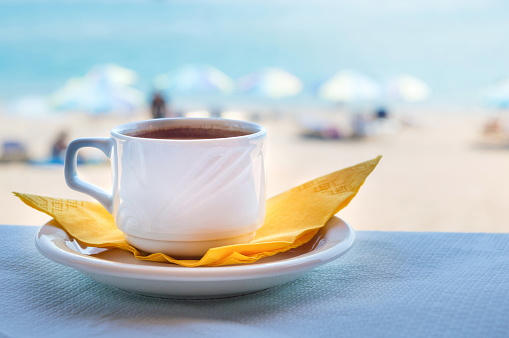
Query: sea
(458, 47)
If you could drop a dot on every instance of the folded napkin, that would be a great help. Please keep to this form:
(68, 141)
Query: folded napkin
(292, 219)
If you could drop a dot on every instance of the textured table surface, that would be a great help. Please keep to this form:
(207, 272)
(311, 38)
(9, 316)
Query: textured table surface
(390, 284)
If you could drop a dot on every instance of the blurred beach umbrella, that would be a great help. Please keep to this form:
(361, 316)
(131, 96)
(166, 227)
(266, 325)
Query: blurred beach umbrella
(406, 88)
(195, 80)
(274, 83)
(497, 95)
(350, 87)
(114, 74)
(30, 106)
(103, 89)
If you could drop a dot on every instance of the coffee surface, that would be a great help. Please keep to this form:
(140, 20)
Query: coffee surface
(189, 133)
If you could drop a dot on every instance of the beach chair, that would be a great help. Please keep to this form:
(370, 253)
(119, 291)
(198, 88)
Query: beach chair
(13, 151)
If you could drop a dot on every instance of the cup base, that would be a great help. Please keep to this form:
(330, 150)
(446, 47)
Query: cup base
(184, 249)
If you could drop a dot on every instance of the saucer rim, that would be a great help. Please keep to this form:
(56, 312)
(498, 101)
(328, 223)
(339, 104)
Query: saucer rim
(53, 246)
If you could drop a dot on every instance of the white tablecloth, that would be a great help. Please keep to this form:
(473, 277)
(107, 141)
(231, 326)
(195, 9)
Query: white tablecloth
(390, 284)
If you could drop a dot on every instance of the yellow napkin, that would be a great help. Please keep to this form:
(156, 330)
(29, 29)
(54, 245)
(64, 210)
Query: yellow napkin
(292, 219)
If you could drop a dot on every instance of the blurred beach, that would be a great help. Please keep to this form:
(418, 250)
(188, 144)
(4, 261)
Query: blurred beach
(438, 174)
(424, 84)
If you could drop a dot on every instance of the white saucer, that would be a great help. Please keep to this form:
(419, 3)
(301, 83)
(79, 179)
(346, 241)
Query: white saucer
(120, 269)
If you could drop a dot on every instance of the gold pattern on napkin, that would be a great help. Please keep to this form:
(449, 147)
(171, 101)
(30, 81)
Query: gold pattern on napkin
(292, 219)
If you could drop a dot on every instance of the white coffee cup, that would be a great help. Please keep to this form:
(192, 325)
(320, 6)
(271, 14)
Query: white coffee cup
(180, 196)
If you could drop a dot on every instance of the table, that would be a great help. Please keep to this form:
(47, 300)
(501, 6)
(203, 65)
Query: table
(390, 284)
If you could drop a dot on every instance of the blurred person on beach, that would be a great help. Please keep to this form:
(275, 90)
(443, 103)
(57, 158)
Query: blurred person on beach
(216, 112)
(493, 126)
(382, 124)
(359, 126)
(59, 147)
(496, 131)
(381, 113)
(332, 132)
(159, 106)
(58, 150)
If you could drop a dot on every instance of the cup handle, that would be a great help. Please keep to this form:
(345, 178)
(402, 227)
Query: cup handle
(71, 174)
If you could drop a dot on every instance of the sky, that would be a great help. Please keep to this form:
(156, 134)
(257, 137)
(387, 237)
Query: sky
(457, 47)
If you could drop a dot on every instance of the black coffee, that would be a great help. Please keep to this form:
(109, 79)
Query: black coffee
(189, 133)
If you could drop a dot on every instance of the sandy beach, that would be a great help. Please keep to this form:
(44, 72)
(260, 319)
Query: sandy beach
(437, 175)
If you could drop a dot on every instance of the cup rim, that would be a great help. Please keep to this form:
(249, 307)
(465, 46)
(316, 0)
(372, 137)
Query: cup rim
(120, 130)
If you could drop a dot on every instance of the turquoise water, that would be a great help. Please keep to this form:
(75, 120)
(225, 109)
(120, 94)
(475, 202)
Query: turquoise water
(458, 47)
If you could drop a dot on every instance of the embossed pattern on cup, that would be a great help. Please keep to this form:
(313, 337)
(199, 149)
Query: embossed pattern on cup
(193, 192)
(171, 194)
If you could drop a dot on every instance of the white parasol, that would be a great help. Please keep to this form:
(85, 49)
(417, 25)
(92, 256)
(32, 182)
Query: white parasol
(104, 89)
(406, 88)
(274, 83)
(195, 80)
(350, 87)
